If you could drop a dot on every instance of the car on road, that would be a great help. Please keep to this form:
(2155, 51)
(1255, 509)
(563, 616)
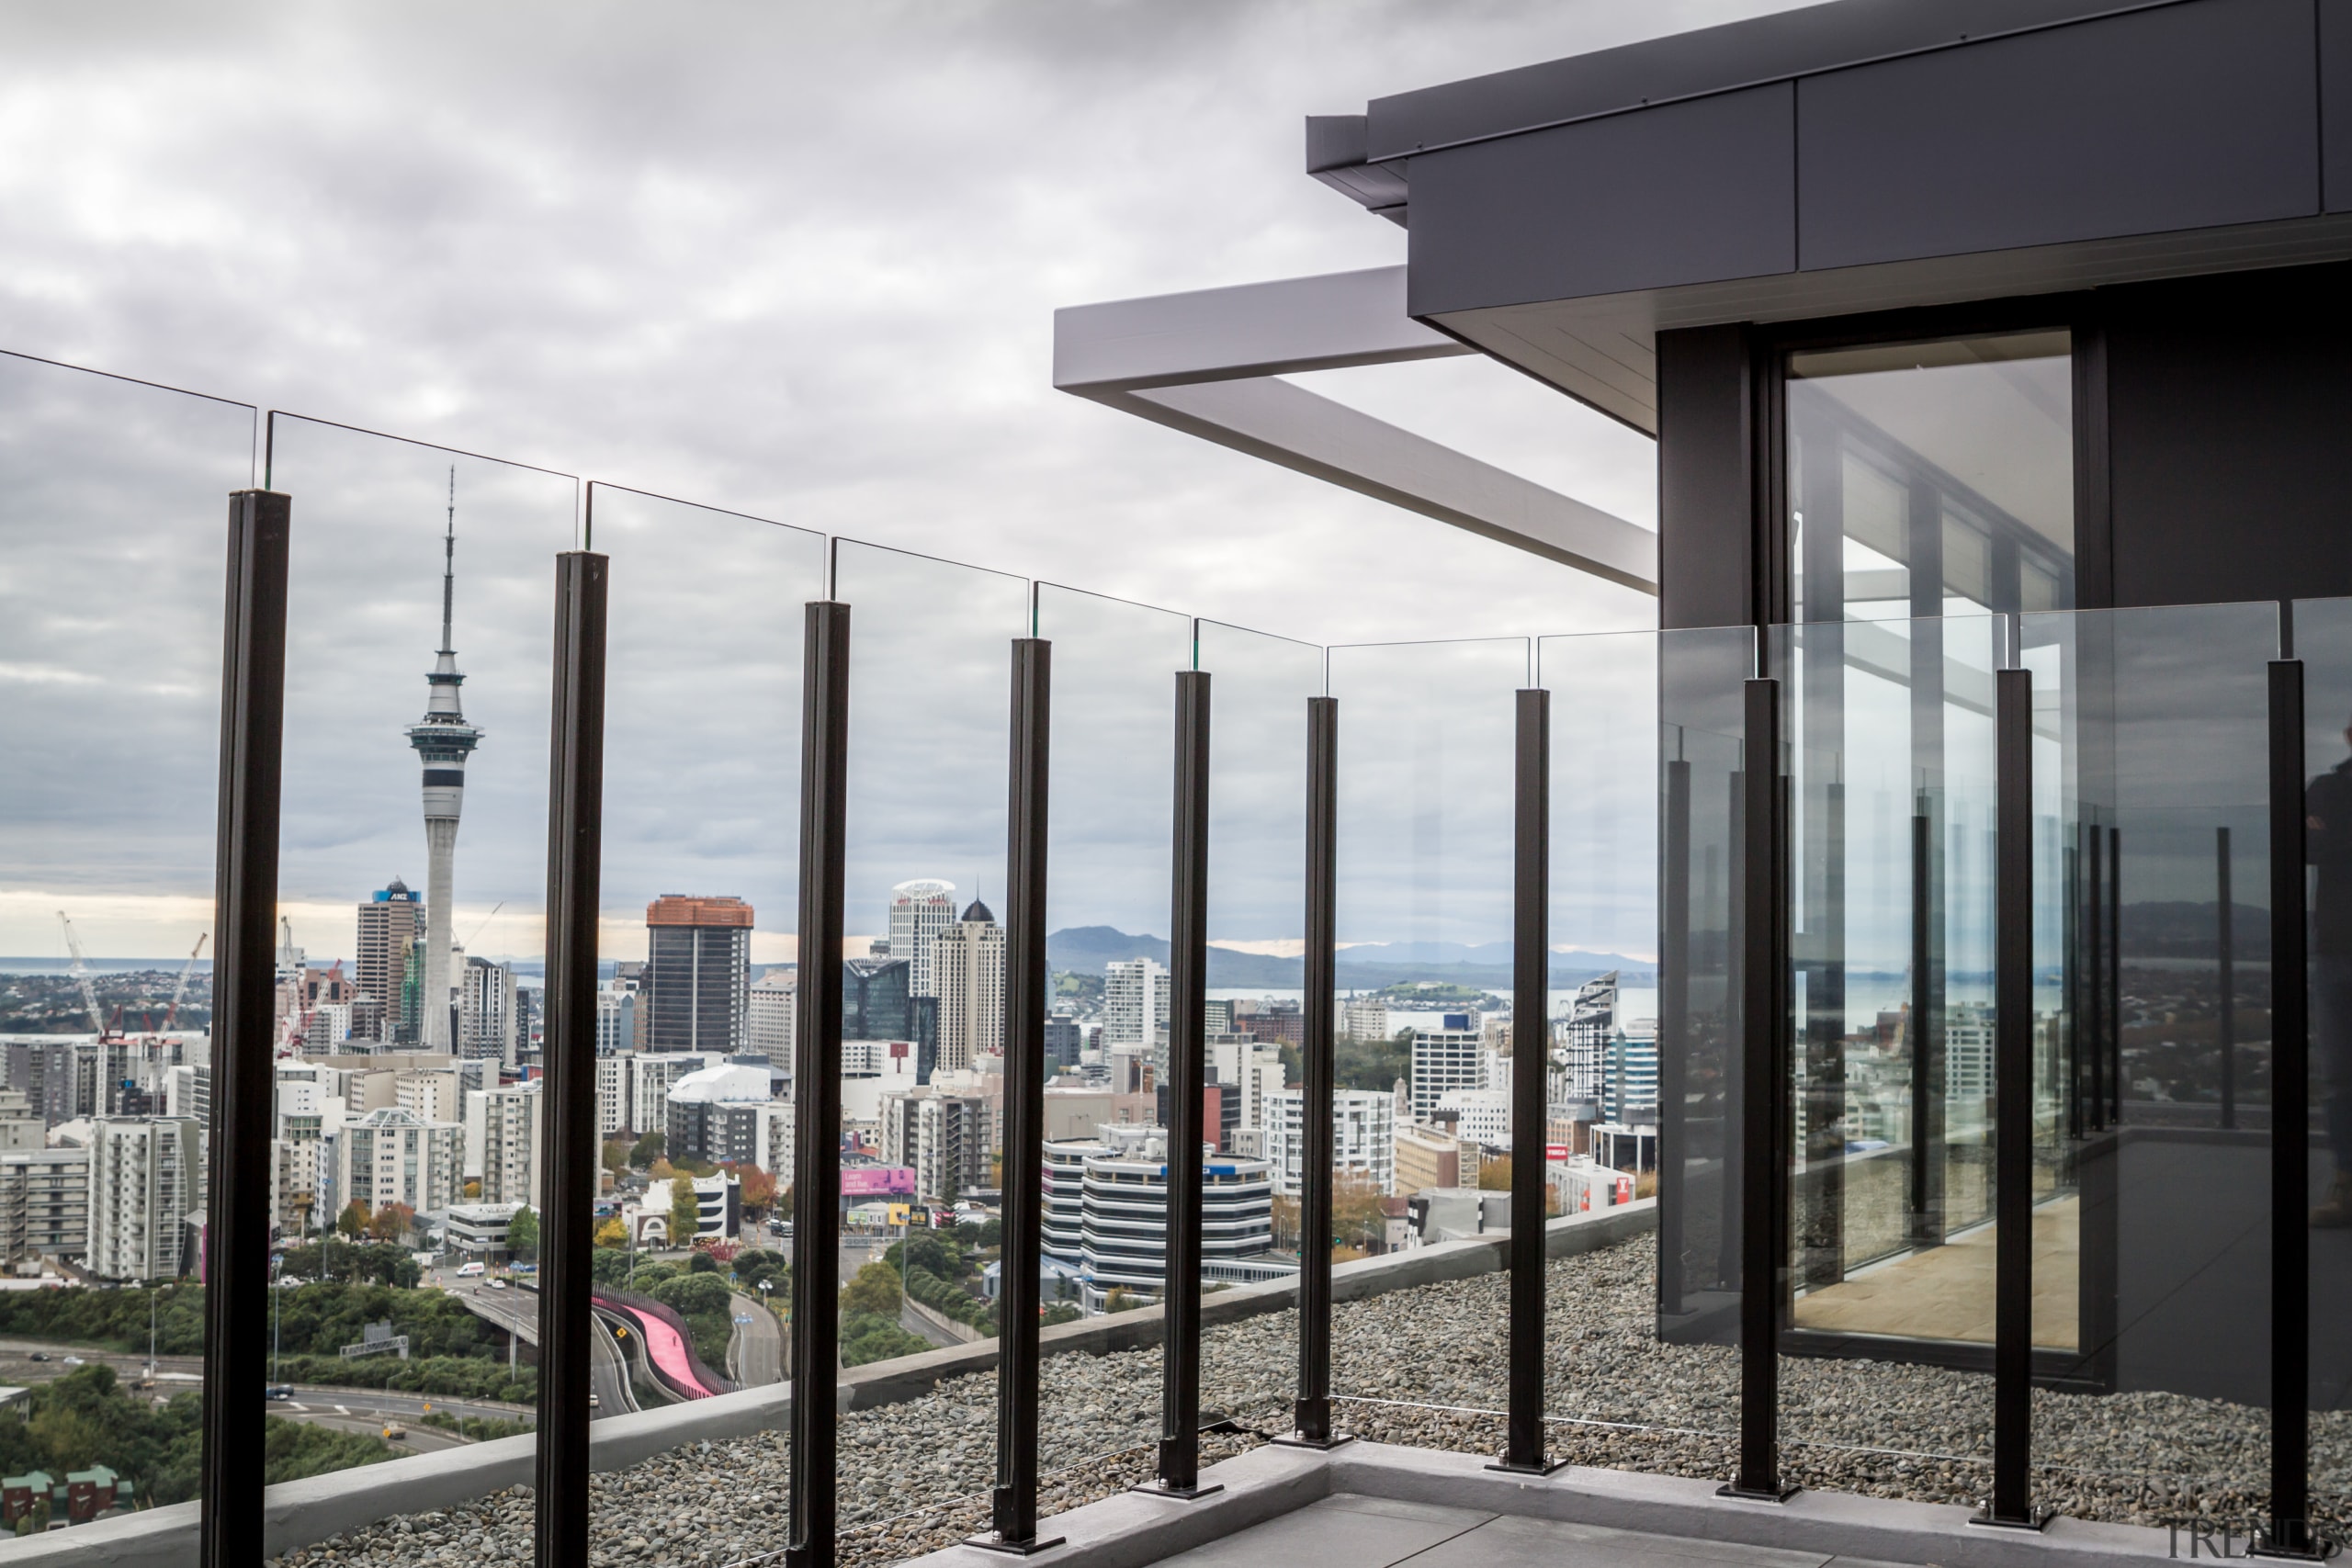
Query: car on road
(74, 1361)
(396, 1433)
(279, 1390)
(498, 1284)
(38, 1356)
(594, 1403)
(469, 1271)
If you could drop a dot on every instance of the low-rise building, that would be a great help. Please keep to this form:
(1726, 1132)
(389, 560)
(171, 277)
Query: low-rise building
(478, 1230)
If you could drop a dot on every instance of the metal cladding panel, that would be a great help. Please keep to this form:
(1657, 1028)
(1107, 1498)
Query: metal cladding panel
(1694, 192)
(2335, 102)
(2185, 117)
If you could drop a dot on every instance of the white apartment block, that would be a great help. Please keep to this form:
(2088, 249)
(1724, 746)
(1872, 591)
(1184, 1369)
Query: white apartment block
(968, 977)
(505, 1124)
(433, 1095)
(44, 1203)
(1364, 1020)
(768, 1015)
(1444, 1059)
(1363, 1138)
(396, 1156)
(616, 1018)
(1481, 1115)
(612, 1091)
(146, 1178)
(650, 1074)
(1250, 1069)
(1135, 1002)
(919, 910)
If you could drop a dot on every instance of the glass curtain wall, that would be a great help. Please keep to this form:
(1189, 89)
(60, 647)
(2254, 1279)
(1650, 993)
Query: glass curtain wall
(697, 965)
(113, 516)
(1426, 747)
(923, 995)
(1108, 901)
(2152, 1196)
(1257, 934)
(412, 872)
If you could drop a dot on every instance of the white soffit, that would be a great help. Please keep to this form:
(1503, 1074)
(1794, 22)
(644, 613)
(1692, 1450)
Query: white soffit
(1210, 363)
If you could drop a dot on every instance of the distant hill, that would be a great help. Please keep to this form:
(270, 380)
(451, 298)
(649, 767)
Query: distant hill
(1086, 949)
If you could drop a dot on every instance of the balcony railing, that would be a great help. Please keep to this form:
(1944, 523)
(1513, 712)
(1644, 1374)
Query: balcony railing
(1990, 1158)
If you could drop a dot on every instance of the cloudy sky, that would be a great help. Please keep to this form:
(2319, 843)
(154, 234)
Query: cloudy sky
(795, 261)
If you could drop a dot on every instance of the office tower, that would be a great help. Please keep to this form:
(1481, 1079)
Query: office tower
(616, 1019)
(395, 1156)
(1445, 1059)
(389, 922)
(968, 977)
(876, 999)
(697, 972)
(442, 741)
(146, 1178)
(1121, 1184)
(1135, 1002)
(1584, 1034)
(1064, 1041)
(770, 1014)
(1630, 1077)
(919, 910)
(487, 1013)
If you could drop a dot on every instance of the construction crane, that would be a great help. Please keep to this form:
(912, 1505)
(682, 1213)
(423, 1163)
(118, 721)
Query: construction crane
(80, 974)
(180, 990)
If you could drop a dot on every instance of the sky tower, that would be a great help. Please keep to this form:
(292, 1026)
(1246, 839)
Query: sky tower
(442, 741)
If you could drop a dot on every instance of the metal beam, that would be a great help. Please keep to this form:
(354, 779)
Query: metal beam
(1209, 363)
(1312, 1418)
(2288, 1532)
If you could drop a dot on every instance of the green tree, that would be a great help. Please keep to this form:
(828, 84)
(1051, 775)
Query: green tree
(616, 1156)
(877, 1290)
(646, 1149)
(353, 1220)
(686, 1210)
(523, 1235)
(702, 1263)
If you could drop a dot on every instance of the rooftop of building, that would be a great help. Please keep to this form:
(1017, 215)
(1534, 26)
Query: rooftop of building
(697, 910)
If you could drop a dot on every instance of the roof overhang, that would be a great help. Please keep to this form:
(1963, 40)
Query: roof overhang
(1210, 363)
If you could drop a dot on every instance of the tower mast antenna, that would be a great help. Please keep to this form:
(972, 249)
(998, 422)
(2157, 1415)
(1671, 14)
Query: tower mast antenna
(449, 563)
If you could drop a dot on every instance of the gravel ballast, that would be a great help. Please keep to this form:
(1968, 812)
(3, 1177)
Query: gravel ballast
(1422, 1367)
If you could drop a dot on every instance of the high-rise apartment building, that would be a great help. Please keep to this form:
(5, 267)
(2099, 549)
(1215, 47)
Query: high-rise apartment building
(146, 1179)
(44, 1203)
(1135, 1001)
(769, 1017)
(442, 741)
(698, 974)
(43, 1071)
(616, 1017)
(390, 922)
(968, 973)
(1363, 1138)
(1444, 1059)
(1364, 1019)
(919, 910)
(487, 1014)
(943, 1138)
(397, 1156)
(506, 1121)
(723, 1112)
(650, 1076)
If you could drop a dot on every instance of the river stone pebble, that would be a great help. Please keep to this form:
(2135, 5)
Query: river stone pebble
(1424, 1368)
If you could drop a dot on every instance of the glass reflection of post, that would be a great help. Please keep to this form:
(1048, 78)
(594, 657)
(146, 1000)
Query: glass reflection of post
(1819, 1190)
(2094, 1039)
(1731, 1060)
(2115, 973)
(1674, 1021)
(2226, 981)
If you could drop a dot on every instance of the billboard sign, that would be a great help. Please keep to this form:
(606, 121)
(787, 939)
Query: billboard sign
(878, 1180)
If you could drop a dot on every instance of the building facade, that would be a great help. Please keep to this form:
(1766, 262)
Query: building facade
(147, 1179)
(967, 978)
(698, 974)
(919, 910)
(397, 1156)
(390, 922)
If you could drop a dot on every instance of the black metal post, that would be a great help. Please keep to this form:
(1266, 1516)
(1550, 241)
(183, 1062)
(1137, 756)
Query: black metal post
(1764, 1110)
(568, 1231)
(1180, 1388)
(1313, 1412)
(2290, 1532)
(2011, 1502)
(244, 978)
(1531, 1058)
(2095, 964)
(2225, 940)
(2114, 1004)
(1014, 1507)
(817, 1085)
(1674, 1033)
(1926, 1144)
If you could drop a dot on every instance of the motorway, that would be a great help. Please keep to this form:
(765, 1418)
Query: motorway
(755, 1348)
(517, 1311)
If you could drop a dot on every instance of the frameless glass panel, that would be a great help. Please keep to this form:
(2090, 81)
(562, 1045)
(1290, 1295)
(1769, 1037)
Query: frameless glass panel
(1256, 971)
(922, 1089)
(112, 515)
(1108, 906)
(698, 961)
(1426, 746)
(1931, 479)
(413, 868)
(2151, 1170)
(1888, 727)
(2323, 641)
